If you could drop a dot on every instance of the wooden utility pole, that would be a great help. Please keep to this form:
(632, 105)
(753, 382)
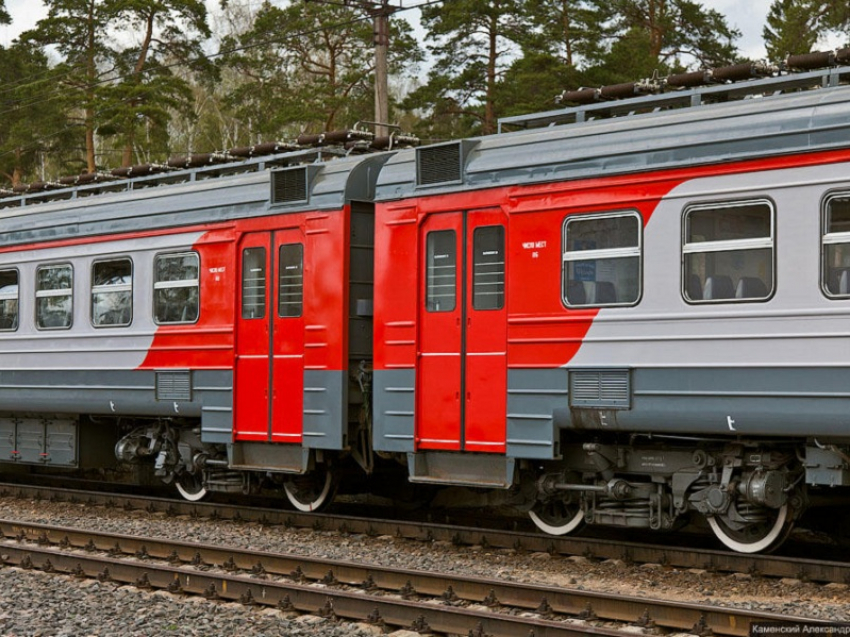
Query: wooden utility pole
(380, 10)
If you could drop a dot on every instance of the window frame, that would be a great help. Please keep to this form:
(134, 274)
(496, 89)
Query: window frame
(280, 302)
(476, 294)
(428, 298)
(728, 245)
(17, 299)
(123, 287)
(837, 238)
(183, 283)
(41, 294)
(264, 288)
(603, 253)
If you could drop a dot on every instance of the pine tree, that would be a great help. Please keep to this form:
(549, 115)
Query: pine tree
(475, 42)
(791, 28)
(309, 68)
(149, 91)
(77, 28)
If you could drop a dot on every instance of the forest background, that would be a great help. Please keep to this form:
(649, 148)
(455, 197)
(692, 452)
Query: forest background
(97, 84)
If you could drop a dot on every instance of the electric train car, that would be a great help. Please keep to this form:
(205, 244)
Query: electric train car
(165, 317)
(629, 321)
(630, 312)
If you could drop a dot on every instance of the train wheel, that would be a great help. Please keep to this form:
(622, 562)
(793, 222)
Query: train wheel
(768, 529)
(313, 491)
(190, 486)
(557, 517)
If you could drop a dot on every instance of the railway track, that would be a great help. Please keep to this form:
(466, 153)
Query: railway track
(683, 557)
(423, 601)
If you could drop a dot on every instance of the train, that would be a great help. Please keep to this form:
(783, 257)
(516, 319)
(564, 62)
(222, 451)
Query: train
(627, 312)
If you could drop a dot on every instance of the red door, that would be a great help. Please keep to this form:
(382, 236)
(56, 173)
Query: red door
(462, 355)
(270, 337)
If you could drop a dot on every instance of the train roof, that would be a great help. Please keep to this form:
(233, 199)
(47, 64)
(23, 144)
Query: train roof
(295, 181)
(791, 114)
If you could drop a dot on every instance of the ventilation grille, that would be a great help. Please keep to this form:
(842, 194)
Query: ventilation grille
(609, 388)
(174, 385)
(439, 164)
(290, 186)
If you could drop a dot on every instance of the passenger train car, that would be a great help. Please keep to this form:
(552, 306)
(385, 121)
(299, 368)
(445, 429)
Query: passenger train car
(634, 315)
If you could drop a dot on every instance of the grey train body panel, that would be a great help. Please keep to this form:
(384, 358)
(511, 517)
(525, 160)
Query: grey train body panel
(325, 409)
(394, 407)
(708, 134)
(196, 200)
(537, 401)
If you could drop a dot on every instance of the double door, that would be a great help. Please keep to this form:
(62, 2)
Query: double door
(269, 374)
(461, 363)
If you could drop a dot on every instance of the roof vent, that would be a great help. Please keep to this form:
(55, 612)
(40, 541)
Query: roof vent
(441, 164)
(291, 185)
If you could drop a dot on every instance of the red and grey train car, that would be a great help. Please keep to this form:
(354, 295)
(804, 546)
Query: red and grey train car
(165, 316)
(629, 321)
(634, 316)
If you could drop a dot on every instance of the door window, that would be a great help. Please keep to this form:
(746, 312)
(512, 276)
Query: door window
(291, 280)
(253, 283)
(441, 271)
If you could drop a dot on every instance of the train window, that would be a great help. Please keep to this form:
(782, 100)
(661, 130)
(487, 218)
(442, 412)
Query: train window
(836, 246)
(488, 268)
(176, 288)
(291, 280)
(602, 260)
(441, 271)
(253, 283)
(54, 296)
(728, 252)
(112, 293)
(8, 300)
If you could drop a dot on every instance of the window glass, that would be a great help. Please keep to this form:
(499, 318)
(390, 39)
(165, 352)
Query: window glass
(836, 246)
(54, 296)
(8, 299)
(728, 252)
(291, 280)
(112, 293)
(488, 268)
(441, 271)
(253, 283)
(602, 260)
(176, 288)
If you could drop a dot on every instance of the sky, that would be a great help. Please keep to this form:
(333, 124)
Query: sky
(748, 17)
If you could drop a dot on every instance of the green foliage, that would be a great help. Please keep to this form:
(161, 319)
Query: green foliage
(32, 125)
(308, 68)
(475, 41)
(791, 29)
(5, 18)
(138, 106)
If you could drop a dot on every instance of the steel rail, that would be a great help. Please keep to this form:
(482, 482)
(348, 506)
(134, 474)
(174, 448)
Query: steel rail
(805, 569)
(449, 589)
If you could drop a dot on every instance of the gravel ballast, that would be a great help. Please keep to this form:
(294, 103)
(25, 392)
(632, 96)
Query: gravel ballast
(35, 603)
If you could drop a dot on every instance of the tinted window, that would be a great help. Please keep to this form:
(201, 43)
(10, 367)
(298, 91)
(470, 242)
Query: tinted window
(728, 252)
(176, 288)
(291, 280)
(54, 298)
(835, 246)
(8, 299)
(112, 293)
(488, 268)
(441, 271)
(253, 283)
(602, 259)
